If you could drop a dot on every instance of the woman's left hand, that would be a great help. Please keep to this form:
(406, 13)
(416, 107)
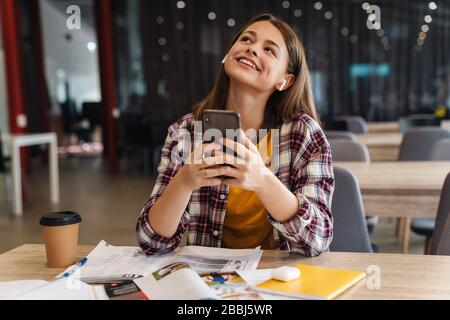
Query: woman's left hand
(248, 171)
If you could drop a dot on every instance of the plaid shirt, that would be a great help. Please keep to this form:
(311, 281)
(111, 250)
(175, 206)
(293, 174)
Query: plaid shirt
(301, 160)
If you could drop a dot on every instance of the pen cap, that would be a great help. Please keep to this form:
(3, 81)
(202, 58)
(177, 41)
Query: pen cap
(60, 233)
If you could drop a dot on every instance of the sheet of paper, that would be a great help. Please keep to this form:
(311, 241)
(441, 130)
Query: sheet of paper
(255, 277)
(60, 289)
(12, 289)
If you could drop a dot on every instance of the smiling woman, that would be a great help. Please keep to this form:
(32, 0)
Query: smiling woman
(239, 201)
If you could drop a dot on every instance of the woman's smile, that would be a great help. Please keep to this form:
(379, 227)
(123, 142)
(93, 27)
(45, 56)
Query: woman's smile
(247, 63)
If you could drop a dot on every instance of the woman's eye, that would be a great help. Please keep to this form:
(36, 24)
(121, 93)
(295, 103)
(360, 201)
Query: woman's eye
(245, 39)
(271, 50)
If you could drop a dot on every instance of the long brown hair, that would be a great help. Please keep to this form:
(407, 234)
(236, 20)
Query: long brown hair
(281, 106)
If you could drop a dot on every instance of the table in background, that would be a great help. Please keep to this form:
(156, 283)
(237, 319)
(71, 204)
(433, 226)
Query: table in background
(382, 146)
(13, 143)
(394, 126)
(403, 189)
(402, 276)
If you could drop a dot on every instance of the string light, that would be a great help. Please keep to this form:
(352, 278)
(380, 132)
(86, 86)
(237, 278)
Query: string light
(285, 4)
(211, 16)
(432, 5)
(318, 5)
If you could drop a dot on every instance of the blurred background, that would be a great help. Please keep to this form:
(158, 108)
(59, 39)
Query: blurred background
(109, 76)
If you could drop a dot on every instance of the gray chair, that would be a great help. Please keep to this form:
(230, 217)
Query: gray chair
(417, 143)
(347, 150)
(418, 120)
(440, 244)
(440, 151)
(355, 124)
(350, 229)
(340, 135)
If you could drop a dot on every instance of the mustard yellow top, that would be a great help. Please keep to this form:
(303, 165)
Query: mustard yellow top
(246, 224)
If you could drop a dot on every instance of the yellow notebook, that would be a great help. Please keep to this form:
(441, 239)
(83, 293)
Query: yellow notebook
(314, 283)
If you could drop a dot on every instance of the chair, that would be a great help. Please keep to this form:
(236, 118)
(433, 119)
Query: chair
(440, 151)
(355, 124)
(417, 143)
(346, 150)
(418, 120)
(440, 243)
(340, 135)
(4, 168)
(350, 230)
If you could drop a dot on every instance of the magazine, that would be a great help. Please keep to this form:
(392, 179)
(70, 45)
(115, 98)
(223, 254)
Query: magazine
(107, 263)
(178, 281)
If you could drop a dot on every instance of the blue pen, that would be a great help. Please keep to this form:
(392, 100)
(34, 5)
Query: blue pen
(81, 263)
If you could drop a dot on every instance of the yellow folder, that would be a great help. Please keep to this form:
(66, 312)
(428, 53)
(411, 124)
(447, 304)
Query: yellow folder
(314, 283)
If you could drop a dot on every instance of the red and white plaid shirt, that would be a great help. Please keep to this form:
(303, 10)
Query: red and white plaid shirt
(301, 160)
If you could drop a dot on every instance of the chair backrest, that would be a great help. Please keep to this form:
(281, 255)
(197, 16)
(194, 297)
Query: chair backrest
(340, 135)
(2, 158)
(355, 124)
(350, 228)
(417, 143)
(440, 151)
(440, 243)
(418, 120)
(346, 150)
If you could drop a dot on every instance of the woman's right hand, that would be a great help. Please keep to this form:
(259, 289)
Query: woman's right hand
(204, 171)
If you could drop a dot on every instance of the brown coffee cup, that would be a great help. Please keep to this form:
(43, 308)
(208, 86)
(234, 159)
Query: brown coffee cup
(60, 231)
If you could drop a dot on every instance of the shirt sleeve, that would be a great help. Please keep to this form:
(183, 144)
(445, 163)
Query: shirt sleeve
(149, 241)
(310, 231)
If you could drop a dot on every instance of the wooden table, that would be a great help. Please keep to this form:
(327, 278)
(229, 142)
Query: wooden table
(402, 276)
(383, 127)
(400, 189)
(394, 126)
(382, 146)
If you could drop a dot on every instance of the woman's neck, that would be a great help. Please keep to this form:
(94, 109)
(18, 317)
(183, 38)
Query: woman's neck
(249, 103)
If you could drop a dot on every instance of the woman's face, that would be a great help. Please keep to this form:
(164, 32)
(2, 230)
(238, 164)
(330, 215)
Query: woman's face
(259, 58)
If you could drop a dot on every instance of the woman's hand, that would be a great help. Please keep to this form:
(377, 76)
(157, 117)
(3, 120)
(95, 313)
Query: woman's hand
(248, 171)
(203, 167)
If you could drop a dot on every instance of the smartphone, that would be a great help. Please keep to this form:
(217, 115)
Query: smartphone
(220, 120)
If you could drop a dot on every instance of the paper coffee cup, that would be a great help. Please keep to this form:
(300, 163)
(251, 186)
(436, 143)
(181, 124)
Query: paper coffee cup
(60, 232)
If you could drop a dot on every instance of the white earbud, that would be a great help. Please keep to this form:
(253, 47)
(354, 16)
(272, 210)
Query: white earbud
(283, 84)
(224, 58)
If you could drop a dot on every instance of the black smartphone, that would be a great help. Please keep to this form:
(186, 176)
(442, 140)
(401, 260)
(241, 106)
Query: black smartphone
(220, 120)
(215, 124)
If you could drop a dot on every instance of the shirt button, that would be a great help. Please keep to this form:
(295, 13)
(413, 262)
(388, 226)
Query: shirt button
(222, 197)
(216, 233)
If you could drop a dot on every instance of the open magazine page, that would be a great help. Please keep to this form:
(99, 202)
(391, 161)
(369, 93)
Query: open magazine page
(107, 263)
(230, 286)
(176, 281)
(206, 259)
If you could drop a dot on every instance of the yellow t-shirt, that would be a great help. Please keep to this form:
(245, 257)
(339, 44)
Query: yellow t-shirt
(246, 224)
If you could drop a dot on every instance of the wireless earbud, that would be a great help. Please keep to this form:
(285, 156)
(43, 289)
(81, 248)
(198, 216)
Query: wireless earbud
(224, 58)
(282, 86)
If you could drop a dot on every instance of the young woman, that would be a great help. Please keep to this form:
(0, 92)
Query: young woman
(284, 206)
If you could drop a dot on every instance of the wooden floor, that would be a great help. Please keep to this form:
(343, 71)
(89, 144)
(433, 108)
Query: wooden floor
(109, 206)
